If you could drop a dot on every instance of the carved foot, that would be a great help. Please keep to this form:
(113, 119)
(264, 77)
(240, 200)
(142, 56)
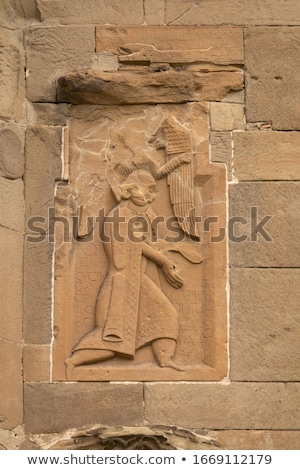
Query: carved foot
(69, 368)
(174, 366)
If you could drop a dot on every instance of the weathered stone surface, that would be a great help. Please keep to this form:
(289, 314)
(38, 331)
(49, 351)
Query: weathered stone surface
(105, 62)
(11, 390)
(37, 292)
(133, 438)
(54, 51)
(50, 114)
(189, 12)
(43, 168)
(214, 406)
(11, 439)
(12, 77)
(144, 87)
(36, 363)
(11, 153)
(11, 281)
(92, 11)
(12, 204)
(226, 116)
(221, 149)
(235, 97)
(57, 407)
(249, 234)
(265, 440)
(267, 155)
(26, 8)
(172, 44)
(154, 12)
(140, 138)
(265, 324)
(272, 65)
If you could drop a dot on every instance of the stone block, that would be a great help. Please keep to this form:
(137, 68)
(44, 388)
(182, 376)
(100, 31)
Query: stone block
(36, 363)
(237, 12)
(235, 97)
(53, 407)
(37, 292)
(272, 65)
(172, 44)
(11, 439)
(11, 390)
(12, 77)
(267, 155)
(265, 324)
(11, 281)
(43, 168)
(154, 12)
(11, 152)
(12, 204)
(126, 87)
(92, 11)
(221, 150)
(226, 116)
(46, 114)
(264, 224)
(53, 51)
(257, 440)
(216, 406)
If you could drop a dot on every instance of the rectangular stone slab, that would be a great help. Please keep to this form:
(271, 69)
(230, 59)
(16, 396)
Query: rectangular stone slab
(172, 44)
(125, 87)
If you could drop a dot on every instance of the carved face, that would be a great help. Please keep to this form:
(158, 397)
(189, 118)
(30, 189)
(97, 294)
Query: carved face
(140, 187)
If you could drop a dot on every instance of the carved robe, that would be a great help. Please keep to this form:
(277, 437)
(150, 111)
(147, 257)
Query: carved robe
(131, 308)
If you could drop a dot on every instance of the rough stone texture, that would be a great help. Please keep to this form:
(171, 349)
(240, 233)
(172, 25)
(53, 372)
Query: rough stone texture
(226, 116)
(11, 439)
(272, 65)
(267, 155)
(37, 292)
(11, 391)
(12, 77)
(143, 87)
(43, 167)
(176, 45)
(12, 204)
(92, 11)
(52, 407)
(281, 200)
(154, 12)
(215, 406)
(36, 363)
(235, 97)
(265, 440)
(237, 12)
(265, 324)
(221, 150)
(11, 152)
(11, 273)
(45, 114)
(54, 51)
(136, 438)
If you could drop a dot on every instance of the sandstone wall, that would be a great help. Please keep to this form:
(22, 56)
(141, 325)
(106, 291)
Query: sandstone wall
(254, 132)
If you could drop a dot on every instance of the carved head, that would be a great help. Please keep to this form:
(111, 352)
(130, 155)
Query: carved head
(140, 187)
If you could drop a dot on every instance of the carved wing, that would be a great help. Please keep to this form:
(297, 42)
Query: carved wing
(180, 172)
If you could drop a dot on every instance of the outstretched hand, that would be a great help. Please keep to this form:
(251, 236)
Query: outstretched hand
(171, 277)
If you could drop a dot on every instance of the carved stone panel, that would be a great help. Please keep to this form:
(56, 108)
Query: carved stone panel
(140, 266)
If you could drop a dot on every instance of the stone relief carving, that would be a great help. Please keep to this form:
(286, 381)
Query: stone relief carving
(140, 186)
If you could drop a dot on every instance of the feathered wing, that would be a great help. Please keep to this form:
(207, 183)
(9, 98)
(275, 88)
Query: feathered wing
(181, 175)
